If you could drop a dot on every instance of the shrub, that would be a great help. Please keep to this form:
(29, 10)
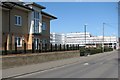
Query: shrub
(106, 49)
(85, 51)
(82, 51)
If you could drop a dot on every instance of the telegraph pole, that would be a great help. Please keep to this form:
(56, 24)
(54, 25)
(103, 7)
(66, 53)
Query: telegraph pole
(103, 38)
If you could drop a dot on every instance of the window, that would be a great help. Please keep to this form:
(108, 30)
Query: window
(18, 20)
(36, 22)
(43, 26)
(36, 15)
(18, 40)
(36, 26)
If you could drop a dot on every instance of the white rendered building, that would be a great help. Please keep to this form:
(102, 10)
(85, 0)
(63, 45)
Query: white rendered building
(56, 38)
(88, 41)
(91, 41)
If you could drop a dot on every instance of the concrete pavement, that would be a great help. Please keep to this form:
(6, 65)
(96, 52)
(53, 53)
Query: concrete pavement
(73, 67)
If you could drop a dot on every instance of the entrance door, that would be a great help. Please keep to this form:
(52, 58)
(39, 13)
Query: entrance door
(36, 42)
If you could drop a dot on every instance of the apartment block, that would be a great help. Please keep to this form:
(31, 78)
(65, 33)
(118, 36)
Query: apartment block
(25, 23)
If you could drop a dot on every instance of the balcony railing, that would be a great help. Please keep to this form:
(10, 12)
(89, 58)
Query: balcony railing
(36, 31)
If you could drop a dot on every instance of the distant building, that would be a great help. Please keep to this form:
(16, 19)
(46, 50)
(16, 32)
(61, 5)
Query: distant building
(76, 38)
(56, 38)
(79, 38)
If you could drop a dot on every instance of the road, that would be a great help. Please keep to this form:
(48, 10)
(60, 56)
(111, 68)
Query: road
(98, 67)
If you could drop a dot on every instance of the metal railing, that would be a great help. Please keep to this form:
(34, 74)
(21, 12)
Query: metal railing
(39, 48)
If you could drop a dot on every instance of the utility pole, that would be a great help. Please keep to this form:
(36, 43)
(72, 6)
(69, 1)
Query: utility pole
(103, 38)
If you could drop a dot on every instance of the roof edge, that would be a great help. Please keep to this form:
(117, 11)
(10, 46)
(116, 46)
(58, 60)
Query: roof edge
(53, 17)
(17, 5)
(37, 5)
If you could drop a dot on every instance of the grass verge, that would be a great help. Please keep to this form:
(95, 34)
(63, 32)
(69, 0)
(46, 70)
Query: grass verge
(26, 59)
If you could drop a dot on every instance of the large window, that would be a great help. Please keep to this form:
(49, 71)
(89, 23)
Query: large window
(18, 40)
(44, 26)
(36, 22)
(36, 15)
(18, 20)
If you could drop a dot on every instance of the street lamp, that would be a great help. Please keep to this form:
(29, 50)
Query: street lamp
(85, 33)
(103, 38)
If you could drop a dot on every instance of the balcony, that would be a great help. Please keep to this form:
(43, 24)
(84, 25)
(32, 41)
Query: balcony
(36, 31)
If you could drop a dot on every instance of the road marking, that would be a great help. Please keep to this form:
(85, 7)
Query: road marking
(86, 64)
(88, 55)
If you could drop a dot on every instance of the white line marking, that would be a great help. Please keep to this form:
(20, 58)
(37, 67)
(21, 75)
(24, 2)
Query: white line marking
(86, 63)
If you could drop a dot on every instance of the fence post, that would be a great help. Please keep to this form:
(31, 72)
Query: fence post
(39, 48)
(48, 47)
(45, 47)
(67, 47)
(78, 46)
(73, 47)
(33, 47)
(55, 47)
(51, 47)
(5, 48)
(70, 47)
(24, 47)
(60, 47)
(15, 47)
(64, 47)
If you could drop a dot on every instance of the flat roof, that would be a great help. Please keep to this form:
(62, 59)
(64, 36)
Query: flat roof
(48, 15)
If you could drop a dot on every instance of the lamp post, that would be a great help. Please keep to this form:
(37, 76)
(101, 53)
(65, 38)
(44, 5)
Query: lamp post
(103, 38)
(85, 34)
